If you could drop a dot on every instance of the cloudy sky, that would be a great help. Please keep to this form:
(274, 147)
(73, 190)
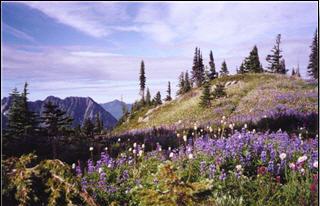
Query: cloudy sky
(95, 48)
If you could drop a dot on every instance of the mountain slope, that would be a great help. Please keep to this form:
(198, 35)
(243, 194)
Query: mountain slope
(250, 97)
(79, 108)
(115, 108)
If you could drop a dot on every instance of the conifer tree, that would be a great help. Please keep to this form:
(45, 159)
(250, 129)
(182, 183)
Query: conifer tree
(205, 99)
(252, 62)
(148, 97)
(313, 67)
(187, 82)
(298, 71)
(54, 119)
(157, 99)
(242, 69)
(181, 85)
(293, 73)
(274, 59)
(88, 127)
(98, 126)
(219, 91)
(197, 68)
(224, 69)
(142, 80)
(168, 98)
(283, 69)
(212, 74)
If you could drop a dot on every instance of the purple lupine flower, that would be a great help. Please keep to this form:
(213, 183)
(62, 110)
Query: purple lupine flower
(263, 156)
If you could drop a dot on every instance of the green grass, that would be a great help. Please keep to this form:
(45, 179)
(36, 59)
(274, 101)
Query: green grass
(240, 98)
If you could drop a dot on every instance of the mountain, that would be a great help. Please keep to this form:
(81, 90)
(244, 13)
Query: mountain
(79, 108)
(251, 98)
(115, 108)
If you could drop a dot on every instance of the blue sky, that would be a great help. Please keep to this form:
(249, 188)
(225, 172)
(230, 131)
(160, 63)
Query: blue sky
(95, 48)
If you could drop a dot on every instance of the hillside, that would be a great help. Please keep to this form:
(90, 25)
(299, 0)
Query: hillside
(250, 97)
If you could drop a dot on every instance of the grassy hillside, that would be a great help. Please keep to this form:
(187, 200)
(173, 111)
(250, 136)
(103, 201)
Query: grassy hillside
(250, 97)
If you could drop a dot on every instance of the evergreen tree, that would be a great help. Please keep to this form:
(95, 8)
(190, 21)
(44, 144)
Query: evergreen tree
(148, 97)
(168, 98)
(242, 69)
(21, 121)
(252, 62)
(298, 71)
(54, 119)
(88, 127)
(157, 99)
(187, 82)
(212, 74)
(219, 91)
(56, 122)
(197, 68)
(274, 59)
(283, 69)
(98, 127)
(142, 80)
(293, 73)
(205, 99)
(224, 69)
(15, 125)
(181, 85)
(313, 67)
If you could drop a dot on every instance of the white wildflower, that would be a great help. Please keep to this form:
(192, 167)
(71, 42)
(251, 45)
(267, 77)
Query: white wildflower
(302, 159)
(100, 170)
(142, 146)
(283, 156)
(134, 145)
(134, 151)
(315, 164)
(185, 138)
(140, 153)
(190, 156)
(119, 139)
(130, 149)
(171, 154)
(90, 148)
(73, 165)
(169, 148)
(238, 167)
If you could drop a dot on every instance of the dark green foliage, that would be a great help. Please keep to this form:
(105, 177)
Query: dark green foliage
(181, 84)
(21, 121)
(55, 120)
(252, 62)
(212, 74)
(276, 65)
(148, 97)
(88, 127)
(197, 68)
(168, 97)
(313, 67)
(157, 99)
(98, 124)
(293, 73)
(187, 82)
(205, 99)
(142, 80)
(224, 69)
(242, 69)
(219, 91)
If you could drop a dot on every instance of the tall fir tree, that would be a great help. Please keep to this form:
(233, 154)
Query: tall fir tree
(252, 62)
(205, 99)
(142, 80)
(187, 83)
(97, 126)
(148, 97)
(313, 67)
(181, 85)
(56, 122)
(157, 99)
(293, 73)
(88, 127)
(274, 59)
(197, 69)
(242, 69)
(168, 97)
(212, 74)
(283, 69)
(224, 69)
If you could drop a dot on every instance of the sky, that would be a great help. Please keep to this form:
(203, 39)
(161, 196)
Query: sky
(95, 48)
